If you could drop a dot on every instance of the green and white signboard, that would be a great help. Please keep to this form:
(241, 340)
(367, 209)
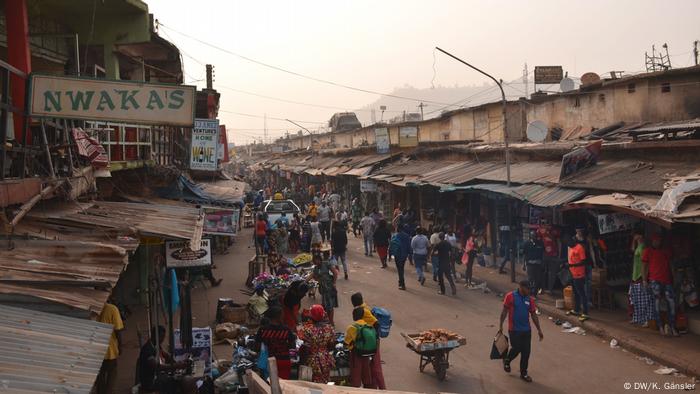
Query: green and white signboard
(114, 101)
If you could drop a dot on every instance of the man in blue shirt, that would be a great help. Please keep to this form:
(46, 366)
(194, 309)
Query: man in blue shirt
(519, 306)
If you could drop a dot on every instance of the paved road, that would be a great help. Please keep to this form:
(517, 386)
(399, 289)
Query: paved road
(561, 363)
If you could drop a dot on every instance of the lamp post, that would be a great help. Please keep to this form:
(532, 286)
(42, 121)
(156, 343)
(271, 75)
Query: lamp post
(313, 157)
(503, 101)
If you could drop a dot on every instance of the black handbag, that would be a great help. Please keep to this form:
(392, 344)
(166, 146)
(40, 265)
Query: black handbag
(499, 348)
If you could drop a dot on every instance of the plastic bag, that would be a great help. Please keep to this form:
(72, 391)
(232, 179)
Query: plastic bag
(262, 363)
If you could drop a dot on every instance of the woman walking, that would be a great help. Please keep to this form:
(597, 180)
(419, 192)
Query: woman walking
(420, 244)
(319, 339)
(382, 236)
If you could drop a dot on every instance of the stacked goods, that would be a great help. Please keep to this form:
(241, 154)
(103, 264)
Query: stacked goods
(436, 335)
(302, 259)
(271, 282)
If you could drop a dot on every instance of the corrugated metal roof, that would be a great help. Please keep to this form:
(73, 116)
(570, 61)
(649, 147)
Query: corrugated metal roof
(630, 175)
(46, 353)
(544, 172)
(358, 172)
(457, 173)
(77, 274)
(538, 195)
(149, 219)
(668, 126)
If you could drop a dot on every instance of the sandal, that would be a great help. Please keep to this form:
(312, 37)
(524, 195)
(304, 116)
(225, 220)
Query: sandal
(526, 378)
(572, 313)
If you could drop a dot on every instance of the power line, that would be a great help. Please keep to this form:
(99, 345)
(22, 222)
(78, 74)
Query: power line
(269, 117)
(294, 72)
(294, 102)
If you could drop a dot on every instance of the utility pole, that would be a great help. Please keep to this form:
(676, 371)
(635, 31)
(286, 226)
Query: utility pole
(421, 106)
(695, 51)
(265, 128)
(527, 87)
(503, 100)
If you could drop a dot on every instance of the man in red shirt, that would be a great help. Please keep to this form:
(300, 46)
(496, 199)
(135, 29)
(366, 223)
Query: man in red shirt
(577, 266)
(656, 270)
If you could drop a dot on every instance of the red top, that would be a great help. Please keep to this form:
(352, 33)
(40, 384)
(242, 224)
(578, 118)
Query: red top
(519, 308)
(577, 255)
(549, 236)
(260, 228)
(659, 262)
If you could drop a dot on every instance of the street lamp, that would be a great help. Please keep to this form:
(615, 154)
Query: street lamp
(503, 100)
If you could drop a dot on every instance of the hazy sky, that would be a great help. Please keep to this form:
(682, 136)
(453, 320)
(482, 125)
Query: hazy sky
(380, 45)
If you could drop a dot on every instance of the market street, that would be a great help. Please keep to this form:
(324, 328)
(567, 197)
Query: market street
(471, 313)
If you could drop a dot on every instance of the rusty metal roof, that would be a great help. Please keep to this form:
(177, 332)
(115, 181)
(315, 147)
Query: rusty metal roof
(72, 273)
(177, 222)
(47, 353)
(542, 172)
(457, 173)
(538, 195)
(630, 175)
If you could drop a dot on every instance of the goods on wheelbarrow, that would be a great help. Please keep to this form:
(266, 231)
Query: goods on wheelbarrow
(436, 335)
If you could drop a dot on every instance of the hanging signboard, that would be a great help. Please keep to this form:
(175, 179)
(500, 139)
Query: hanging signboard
(612, 222)
(381, 137)
(179, 255)
(114, 101)
(205, 144)
(220, 221)
(580, 159)
(408, 136)
(199, 351)
(223, 145)
(548, 75)
(367, 186)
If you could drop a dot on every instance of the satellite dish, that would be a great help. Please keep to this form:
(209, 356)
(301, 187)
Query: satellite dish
(537, 131)
(567, 84)
(589, 79)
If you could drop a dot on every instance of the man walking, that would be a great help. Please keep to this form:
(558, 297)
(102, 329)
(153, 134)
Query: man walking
(356, 214)
(401, 248)
(420, 245)
(368, 226)
(339, 245)
(444, 252)
(533, 250)
(324, 221)
(519, 307)
(434, 261)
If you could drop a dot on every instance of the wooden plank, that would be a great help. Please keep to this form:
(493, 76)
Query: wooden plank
(274, 377)
(256, 384)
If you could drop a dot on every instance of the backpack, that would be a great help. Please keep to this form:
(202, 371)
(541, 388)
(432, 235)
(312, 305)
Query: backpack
(384, 318)
(365, 340)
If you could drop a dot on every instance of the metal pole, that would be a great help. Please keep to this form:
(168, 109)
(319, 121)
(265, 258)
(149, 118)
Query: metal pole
(503, 99)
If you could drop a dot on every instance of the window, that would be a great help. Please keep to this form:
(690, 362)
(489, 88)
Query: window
(601, 97)
(665, 87)
(577, 102)
(631, 88)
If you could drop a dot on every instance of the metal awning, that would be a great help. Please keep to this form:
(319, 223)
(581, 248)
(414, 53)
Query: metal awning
(47, 353)
(59, 274)
(538, 195)
(359, 172)
(165, 221)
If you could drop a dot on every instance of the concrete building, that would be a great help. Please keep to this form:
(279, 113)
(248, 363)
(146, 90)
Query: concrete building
(661, 96)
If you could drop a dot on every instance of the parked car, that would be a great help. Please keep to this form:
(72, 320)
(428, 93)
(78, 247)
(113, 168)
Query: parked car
(275, 208)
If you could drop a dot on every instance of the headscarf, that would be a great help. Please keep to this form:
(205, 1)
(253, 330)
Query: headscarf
(317, 313)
